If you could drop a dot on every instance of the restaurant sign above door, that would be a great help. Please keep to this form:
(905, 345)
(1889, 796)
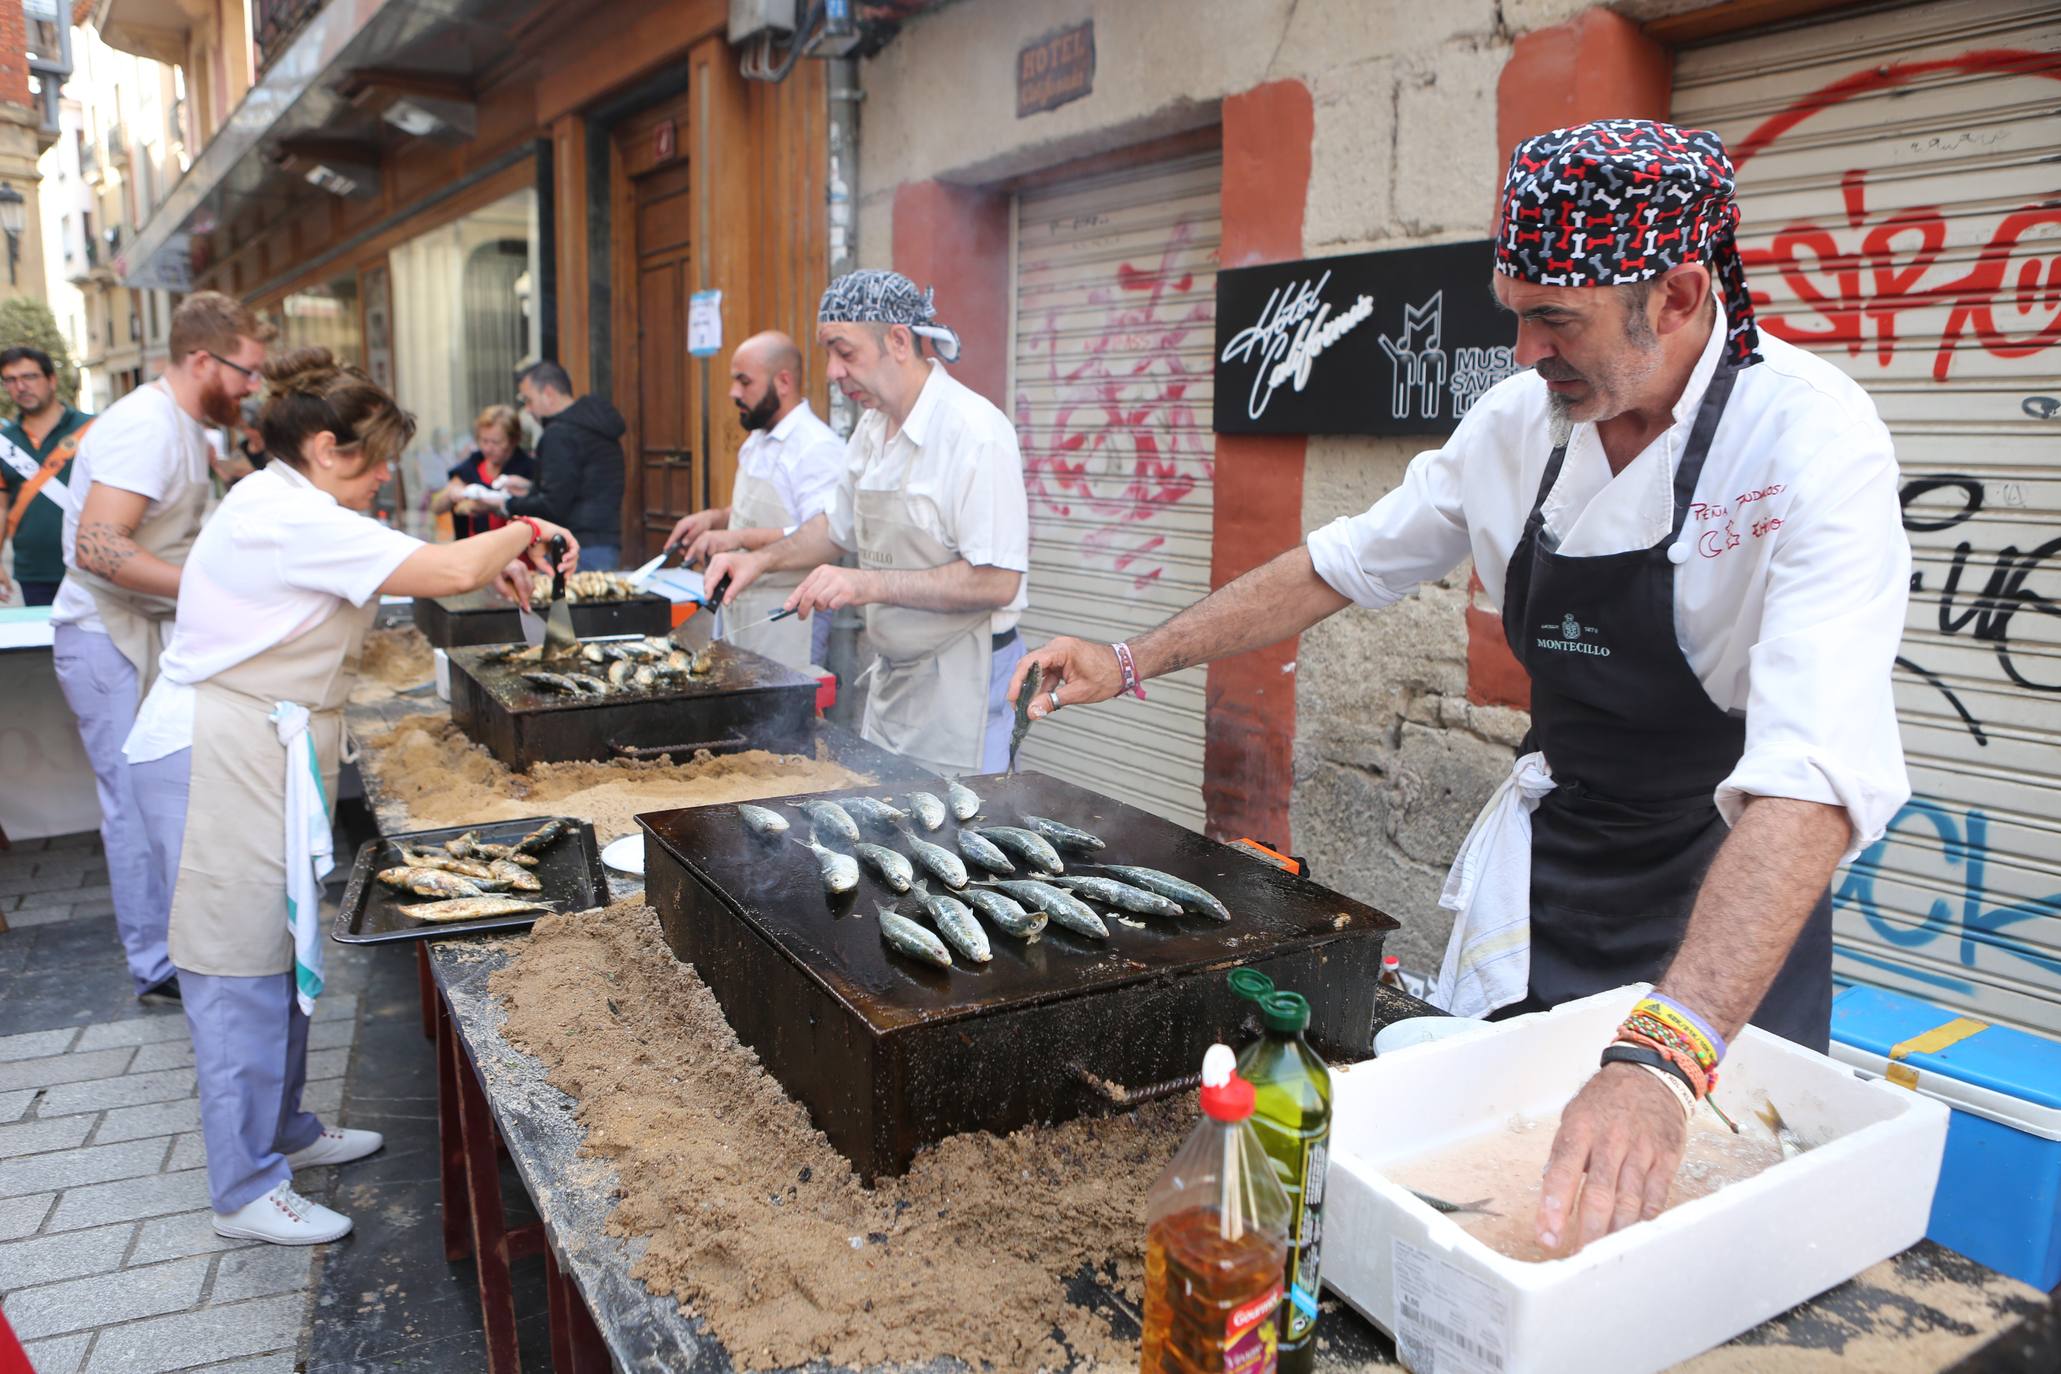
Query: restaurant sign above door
(1369, 343)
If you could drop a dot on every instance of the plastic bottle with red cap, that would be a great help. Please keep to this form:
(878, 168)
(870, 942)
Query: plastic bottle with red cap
(1216, 1241)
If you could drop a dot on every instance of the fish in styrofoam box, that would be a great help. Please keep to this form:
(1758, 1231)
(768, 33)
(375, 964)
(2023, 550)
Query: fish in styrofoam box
(1999, 1199)
(1860, 1193)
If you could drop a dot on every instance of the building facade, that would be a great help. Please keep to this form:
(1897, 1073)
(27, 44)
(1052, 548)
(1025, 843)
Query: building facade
(1086, 167)
(122, 145)
(440, 190)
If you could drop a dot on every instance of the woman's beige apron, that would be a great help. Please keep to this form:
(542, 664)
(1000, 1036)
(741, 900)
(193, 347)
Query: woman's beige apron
(229, 908)
(135, 620)
(927, 692)
(755, 505)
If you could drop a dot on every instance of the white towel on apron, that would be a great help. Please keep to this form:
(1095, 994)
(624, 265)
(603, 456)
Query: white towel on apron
(1488, 959)
(310, 850)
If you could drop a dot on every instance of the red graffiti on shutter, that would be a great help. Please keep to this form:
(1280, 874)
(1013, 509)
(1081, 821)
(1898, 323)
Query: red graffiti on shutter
(1857, 279)
(1122, 442)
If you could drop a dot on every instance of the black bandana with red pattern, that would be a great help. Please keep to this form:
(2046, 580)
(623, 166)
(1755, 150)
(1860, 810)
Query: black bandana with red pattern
(1624, 200)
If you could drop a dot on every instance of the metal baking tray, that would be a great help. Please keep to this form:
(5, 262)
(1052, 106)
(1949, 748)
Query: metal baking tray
(571, 871)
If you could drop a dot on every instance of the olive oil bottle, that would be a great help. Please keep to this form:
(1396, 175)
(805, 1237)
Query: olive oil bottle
(1292, 1118)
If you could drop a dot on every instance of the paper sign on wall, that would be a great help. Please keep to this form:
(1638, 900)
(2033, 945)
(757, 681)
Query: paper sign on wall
(705, 323)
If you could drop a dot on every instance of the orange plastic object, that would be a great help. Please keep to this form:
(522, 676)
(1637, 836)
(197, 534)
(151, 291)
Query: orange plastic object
(1272, 856)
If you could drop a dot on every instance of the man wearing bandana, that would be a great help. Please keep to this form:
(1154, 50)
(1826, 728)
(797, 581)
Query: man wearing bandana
(1692, 534)
(932, 502)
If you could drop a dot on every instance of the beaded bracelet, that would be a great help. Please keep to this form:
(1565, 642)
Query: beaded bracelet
(1661, 1029)
(1699, 1082)
(1129, 668)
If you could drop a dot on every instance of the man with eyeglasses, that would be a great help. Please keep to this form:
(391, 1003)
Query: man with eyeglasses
(140, 489)
(36, 451)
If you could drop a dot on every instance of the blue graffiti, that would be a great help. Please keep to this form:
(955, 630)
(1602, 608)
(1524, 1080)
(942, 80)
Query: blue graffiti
(1964, 845)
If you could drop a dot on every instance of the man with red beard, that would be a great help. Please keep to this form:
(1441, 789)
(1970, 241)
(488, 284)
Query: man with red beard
(140, 483)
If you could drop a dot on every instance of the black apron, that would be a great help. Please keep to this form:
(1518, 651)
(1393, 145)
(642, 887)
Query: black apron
(1637, 748)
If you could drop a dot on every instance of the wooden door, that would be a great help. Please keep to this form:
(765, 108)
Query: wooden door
(660, 383)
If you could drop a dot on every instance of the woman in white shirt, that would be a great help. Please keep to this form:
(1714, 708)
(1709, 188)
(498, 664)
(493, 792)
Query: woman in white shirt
(246, 716)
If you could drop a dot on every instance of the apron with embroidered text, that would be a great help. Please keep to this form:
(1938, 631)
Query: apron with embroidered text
(927, 691)
(1637, 748)
(229, 907)
(755, 505)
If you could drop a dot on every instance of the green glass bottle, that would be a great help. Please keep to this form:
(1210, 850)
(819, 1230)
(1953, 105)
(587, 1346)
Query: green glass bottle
(1292, 1118)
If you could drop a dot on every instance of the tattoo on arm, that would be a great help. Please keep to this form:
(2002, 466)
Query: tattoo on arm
(103, 547)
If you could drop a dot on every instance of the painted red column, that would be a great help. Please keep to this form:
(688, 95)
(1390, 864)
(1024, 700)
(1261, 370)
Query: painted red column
(1249, 750)
(956, 239)
(1598, 65)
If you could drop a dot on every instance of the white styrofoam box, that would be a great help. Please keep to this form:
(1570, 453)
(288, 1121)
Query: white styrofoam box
(443, 661)
(1754, 1249)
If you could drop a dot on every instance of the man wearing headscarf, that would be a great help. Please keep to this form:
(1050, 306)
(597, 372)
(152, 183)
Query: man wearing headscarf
(932, 502)
(1693, 537)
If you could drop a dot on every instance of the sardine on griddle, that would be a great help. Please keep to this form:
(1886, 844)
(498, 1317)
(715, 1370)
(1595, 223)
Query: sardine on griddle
(1124, 897)
(894, 868)
(928, 810)
(904, 936)
(1034, 849)
(430, 882)
(1060, 833)
(936, 860)
(955, 922)
(762, 821)
(840, 871)
(983, 852)
(964, 801)
(830, 820)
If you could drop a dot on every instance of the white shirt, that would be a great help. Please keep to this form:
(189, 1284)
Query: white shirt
(801, 457)
(143, 443)
(956, 462)
(279, 557)
(1794, 575)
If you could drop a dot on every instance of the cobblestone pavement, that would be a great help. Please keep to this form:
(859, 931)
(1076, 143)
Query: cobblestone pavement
(108, 1264)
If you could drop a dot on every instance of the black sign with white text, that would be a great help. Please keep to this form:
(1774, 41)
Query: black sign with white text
(1370, 343)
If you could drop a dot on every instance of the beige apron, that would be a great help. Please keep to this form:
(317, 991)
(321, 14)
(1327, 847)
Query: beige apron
(134, 620)
(927, 692)
(755, 505)
(229, 909)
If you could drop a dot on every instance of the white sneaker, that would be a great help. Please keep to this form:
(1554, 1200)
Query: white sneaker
(283, 1217)
(335, 1147)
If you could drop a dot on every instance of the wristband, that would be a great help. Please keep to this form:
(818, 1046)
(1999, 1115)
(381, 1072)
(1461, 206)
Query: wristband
(1699, 1032)
(536, 529)
(1129, 668)
(1647, 1058)
(1674, 1085)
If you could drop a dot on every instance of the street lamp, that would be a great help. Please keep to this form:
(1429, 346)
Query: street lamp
(13, 216)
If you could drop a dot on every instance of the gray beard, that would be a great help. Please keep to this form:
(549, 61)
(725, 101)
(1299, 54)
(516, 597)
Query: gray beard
(1560, 419)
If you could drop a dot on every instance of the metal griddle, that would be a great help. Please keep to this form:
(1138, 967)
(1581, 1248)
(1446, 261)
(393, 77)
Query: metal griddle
(890, 1054)
(570, 870)
(482, 617)
(747, 702)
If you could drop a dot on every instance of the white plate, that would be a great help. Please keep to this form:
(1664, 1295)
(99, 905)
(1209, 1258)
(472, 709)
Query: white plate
(625, 855)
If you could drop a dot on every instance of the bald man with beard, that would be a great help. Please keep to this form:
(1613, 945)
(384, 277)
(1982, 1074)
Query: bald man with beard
(787, 473)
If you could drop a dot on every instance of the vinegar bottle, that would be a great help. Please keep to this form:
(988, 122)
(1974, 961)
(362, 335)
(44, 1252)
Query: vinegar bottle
(1292, 1118)
(1216, 1241)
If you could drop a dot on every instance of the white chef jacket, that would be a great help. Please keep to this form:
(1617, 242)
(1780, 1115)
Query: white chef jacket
(279, 557)
(956, 460)
(144, 443)
(801, 457)
(1793, 570)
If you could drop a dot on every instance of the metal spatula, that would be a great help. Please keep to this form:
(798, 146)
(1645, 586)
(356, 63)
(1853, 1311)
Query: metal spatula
(532, 623)
(559, 639)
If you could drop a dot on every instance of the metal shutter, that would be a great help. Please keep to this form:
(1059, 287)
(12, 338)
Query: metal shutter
(1115, 312)
(1899, 184)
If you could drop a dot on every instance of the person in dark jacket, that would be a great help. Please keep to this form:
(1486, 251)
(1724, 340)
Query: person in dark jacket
(579, 466)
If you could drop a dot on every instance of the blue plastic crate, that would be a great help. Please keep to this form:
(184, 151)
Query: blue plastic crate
(1999, 1198)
